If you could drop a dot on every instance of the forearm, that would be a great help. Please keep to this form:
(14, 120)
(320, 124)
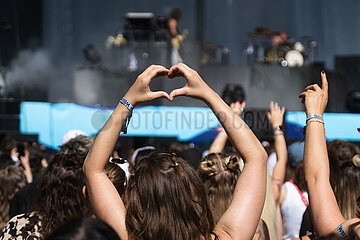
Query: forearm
(325, 211)
(28, 173)
(249, 194)
(281, 157)
(105, 141)
(315, 154)
(219, 143)
(241, 136)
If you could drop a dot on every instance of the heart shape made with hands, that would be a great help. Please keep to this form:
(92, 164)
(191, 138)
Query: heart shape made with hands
(191, 87)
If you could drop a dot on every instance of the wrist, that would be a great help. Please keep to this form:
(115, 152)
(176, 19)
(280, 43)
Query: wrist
(209, 97)
(26, 166)
(275, 125)
(278, 127)
(308, 113)
(131, 98)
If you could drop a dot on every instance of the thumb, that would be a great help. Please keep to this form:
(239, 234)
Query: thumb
(268, 116)
(159, 94)
(177, 92)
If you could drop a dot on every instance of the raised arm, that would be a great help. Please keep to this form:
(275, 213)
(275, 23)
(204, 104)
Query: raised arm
(219, 142)
(276, 118)
(243, 215)
(104, 199)
(324, 209)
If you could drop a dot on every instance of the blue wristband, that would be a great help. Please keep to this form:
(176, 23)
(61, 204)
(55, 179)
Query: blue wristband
(127, 104)
(341, 231)
(314, 116)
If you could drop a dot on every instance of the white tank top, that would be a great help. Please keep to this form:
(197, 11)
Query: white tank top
(292, 210)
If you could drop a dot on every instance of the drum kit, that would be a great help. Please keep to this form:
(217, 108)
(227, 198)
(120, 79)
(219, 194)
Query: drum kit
(271, 47)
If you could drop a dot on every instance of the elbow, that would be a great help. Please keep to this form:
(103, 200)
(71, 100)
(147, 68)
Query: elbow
(263, 156)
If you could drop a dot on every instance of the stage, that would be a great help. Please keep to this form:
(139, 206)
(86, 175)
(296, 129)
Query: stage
(192, 124)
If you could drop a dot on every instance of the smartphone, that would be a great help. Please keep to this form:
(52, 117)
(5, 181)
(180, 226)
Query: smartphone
(21, 149)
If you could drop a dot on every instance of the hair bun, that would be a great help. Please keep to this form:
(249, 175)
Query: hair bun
(233, 163)
(208, 168)
(356, 160)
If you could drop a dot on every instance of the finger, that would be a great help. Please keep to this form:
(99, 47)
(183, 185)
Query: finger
(177, 92)
(148, 70)
(324, 85)
(157, 71)
(176, 74)
(302, 95)
(232, 106)
(283, 110)
(179, 70)
(268, 116)
(313, 87)
(243, 104)
(159, 94)
(277, 107)
(237, 105)
(271, 106)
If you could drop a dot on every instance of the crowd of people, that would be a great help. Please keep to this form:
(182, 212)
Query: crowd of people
(96, 188)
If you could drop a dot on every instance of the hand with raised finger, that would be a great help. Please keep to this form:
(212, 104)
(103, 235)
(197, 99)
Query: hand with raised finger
(140, 91)
(238, 107)
(25, 160)
(315, 98)
(195, 87)
(276, 114)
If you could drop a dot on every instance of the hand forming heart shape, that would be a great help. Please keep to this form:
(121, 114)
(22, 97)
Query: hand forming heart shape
(140, 91)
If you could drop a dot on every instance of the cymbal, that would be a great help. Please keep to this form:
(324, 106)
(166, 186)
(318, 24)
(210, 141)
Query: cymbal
(265, 31)
(255, 35)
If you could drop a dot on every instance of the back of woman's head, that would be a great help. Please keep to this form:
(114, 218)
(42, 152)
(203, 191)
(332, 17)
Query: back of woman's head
(12, 178)
(7, 145)
(345, 162)
(299, 177)
(340, 152)
(166, 200)
(116, 176)
(84, 229)
(78, 145)
(219, 173)
(60, 196)
(347, 187)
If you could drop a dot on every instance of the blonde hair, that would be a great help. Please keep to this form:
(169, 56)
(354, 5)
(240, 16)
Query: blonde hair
(219, 173)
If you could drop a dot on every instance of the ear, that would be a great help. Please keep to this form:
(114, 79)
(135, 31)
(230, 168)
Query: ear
(84, 192)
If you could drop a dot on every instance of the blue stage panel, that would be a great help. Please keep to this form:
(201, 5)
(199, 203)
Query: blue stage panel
(52, 121)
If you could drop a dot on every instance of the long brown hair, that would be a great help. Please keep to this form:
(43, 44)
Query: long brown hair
(12, 178)
(345, 162)
(60, 195)
(220, 173)
(166, 200)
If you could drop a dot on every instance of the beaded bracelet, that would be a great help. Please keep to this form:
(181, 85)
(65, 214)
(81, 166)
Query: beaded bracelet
(313, 120)
(308, 123)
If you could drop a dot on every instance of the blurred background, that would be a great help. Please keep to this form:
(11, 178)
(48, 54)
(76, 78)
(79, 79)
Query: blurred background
(89, 52)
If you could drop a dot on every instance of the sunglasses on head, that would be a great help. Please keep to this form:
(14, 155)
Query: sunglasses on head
(118, 160)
